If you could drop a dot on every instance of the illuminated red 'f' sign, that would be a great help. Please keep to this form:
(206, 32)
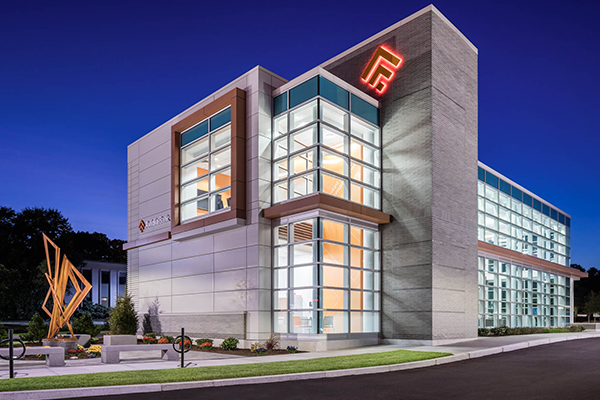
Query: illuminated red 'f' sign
(381, 69)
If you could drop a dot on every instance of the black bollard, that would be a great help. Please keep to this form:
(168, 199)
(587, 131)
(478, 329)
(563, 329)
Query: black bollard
(182, 345)
(11, 362)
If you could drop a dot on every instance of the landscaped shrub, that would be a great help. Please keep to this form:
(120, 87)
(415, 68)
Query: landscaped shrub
(576, 328)
(186, 343)
(123, 319)
(95, 350)
(169, 338)
(483, 332)
(500, 331)
(272, 343)
(204, 344)
(292, 349)
(146, 324)
(85, 325)
(97, 311)
(163, 341)
(36, 330)
(149, 340)
(3, 333)
(230, 344)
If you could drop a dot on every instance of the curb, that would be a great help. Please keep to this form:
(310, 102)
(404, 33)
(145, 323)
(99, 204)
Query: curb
(164, 387)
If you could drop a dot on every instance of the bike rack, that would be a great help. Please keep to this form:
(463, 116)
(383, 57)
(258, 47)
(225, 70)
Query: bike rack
(11, 357)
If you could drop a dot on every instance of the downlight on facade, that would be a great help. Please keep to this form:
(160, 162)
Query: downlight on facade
(313, 210)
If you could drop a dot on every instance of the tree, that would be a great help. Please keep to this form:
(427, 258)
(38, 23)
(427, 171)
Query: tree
(36, 330)
(123, 319)
(592, 304)
(85, 324)
(23, 285)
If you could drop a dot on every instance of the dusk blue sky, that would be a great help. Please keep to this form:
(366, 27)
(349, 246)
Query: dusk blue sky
(80, 80)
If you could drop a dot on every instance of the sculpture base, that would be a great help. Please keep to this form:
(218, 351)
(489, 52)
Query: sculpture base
(66, 343)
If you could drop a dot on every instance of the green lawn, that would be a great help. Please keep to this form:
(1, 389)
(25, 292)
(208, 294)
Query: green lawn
(220, 372)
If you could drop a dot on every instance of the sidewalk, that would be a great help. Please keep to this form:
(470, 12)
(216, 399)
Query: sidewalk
(133, 361)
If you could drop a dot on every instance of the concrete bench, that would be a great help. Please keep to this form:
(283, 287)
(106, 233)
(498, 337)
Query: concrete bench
(110, 354)
(55, 356)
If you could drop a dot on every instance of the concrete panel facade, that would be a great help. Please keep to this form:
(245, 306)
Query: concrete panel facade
(214, 281)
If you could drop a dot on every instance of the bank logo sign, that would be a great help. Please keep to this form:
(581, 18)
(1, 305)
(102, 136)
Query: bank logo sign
(381, 69)
(148, 223)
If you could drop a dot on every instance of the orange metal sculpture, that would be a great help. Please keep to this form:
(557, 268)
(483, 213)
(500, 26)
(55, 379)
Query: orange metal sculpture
(58, 280)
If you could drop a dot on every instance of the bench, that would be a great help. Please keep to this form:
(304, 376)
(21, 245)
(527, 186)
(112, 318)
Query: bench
(110, 354)
(55, 356)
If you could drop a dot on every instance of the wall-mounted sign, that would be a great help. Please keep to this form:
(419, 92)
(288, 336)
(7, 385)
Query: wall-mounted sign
(381, 69)
(153, 222)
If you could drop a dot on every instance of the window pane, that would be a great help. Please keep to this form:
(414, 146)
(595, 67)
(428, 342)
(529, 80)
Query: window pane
(364, 195)
(365, 174)
(334, 253)
(303, 161)
(280, 169)
(220, 200)
(334, 276)
(334, 185)
(194, 170)
(280, 125)
(334, 116)
(334, 231)
(220, 180)
(303, 276)
(280, 322)
(302, 253)
(304, 91)
(304, 298)
(361, 279)
(365, 131)
(303, 185)
(362, 237)
(281, 256)
(364, 322)
(281, 278)
(362, 258)
(303, 115)
(364, 110)
(365, 153)
(194, 151)
(334, 163)
(220, 137)
(194, 209)
(281, 147)
(220, 119)
(334, 321)
(220, 159)
(334, 298)
(303, 322)
(194, 189)
(280, 192)
(281, 234)
(303, 138)
(333, 93)
(336, 140)
(303, 230)
(280, 103)
(194, 133)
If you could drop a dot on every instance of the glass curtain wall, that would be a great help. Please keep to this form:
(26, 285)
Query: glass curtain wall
(510, 218)
(326, 278)
(326, 140)
(206, 166)
(517, 296)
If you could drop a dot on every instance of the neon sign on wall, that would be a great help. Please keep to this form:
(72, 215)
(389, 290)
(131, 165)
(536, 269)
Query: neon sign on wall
(381, 69)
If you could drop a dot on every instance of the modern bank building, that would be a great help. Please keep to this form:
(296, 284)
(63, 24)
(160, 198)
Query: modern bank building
(344, 207)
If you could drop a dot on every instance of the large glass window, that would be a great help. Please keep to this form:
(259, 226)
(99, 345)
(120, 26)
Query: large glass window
(323, 270)
(206, 166)
(506, 218)
(515, 296)
(321, 134)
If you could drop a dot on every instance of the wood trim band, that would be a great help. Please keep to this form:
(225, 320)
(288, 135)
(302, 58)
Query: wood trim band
(235, 98)
(159, 237)
(515, 255)
(326, 202)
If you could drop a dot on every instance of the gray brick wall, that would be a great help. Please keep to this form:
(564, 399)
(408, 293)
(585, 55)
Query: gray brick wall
(429, 159)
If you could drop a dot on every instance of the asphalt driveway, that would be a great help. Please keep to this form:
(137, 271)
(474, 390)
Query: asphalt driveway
(565, 370)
